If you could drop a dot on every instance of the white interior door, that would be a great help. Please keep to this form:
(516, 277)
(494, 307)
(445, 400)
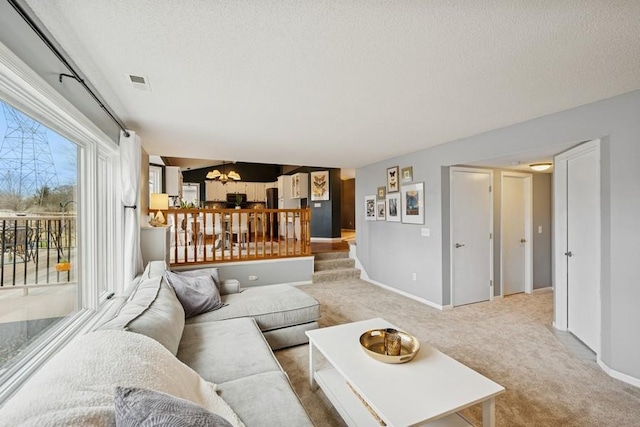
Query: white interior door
(583, 206)
(576, 187)
(471, 233)
(516, 233)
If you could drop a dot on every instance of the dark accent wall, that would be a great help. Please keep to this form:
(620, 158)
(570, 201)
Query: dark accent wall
(348, 205)
(326, 214)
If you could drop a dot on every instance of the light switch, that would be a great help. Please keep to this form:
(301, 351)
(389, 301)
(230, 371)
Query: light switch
(425, 232)
(539, 229)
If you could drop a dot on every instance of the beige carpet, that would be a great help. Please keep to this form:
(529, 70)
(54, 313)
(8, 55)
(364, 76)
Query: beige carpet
(508, 340)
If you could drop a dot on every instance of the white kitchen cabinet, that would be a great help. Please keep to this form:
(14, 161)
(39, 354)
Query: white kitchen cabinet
(215, 191)
(250, 191)
(260, 192)
(300, 185)
(173, 177)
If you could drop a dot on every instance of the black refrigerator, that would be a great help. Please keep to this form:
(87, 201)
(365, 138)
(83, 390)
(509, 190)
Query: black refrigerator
(272, 218)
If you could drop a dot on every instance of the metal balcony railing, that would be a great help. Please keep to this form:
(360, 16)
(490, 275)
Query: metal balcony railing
(35, 248)
(228, 235)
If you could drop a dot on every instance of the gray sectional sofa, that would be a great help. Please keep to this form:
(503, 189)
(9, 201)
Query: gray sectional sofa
(220, 360)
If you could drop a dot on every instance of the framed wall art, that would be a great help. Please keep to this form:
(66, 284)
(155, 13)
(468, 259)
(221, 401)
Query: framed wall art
(380, 210)
(319, 185)
(413, 203)
(381, 193)
(406, 174)
(393, 207)
(392, 179)
(370, 208)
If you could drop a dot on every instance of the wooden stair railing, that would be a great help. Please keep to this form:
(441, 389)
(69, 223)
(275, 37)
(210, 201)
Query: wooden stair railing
(204, 236)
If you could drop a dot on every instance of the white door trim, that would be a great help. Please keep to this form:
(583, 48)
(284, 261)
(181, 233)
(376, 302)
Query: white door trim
(451, 228)
(528, 247)
(560, 237)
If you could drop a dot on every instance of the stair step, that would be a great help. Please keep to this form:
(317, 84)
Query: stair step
(331, 255)
(333, 264)
(336, 275)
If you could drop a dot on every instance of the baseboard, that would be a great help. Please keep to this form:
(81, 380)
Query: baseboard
(326, 239)
(619, 375)
(542, 290)
(406, 294)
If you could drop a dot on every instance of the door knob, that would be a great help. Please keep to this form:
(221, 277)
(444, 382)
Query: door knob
(569, 254)
(523, 240)
(458, 245)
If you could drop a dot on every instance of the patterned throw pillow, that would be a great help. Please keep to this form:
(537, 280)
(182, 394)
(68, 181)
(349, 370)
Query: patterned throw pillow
(139, 407)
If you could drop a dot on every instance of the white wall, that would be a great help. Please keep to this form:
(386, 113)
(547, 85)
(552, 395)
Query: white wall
(391, 252)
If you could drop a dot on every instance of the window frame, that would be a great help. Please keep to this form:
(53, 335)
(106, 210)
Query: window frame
(100, 271)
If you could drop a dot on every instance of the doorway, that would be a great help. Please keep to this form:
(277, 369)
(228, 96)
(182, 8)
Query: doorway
(516, 212)
(471, 235)
(577, 242)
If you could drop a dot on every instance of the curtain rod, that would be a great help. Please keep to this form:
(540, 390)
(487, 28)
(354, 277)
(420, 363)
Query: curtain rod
(62, 59)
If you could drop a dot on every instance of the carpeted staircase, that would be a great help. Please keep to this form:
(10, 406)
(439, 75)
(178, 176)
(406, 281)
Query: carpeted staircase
(334, 266)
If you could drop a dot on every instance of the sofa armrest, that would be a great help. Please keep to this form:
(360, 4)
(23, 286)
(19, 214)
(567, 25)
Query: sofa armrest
(229, 286)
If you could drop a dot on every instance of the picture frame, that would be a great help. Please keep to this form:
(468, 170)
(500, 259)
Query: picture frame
(413, 203)
(319, 186)
(382, 193)
(406, 174)
(370, 208)
(394, 208)
(393, 179)
(381, 210)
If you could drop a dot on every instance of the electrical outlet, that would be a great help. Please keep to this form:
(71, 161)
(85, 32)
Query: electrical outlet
(253, 277)
(414, 276)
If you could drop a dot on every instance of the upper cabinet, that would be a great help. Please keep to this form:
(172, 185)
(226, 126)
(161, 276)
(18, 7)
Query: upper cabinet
(300, 186)
(217, 191)
(173, 176)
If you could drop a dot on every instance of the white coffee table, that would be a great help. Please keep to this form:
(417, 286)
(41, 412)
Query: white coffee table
(428, 390)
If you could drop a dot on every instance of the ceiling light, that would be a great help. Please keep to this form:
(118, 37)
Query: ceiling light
(223, 177)
(540, 166)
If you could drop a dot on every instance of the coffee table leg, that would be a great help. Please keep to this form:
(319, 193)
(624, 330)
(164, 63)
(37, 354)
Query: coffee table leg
(489, 412)
(312, 366)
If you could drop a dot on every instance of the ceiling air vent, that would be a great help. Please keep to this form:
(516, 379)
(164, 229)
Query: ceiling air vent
(139, 82)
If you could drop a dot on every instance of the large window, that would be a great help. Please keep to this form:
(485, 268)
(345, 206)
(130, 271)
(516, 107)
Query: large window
(38, 231)
(60, 222)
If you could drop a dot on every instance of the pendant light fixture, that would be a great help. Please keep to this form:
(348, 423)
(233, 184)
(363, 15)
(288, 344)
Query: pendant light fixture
(223, 176)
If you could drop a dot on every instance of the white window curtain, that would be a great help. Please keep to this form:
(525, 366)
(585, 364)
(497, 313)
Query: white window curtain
(130, 158)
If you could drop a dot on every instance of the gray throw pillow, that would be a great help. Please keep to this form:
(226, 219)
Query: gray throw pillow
(139, 407)
(197, 294)
(212, 271)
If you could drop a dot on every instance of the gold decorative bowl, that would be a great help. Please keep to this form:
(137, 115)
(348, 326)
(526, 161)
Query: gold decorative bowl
(372, 343)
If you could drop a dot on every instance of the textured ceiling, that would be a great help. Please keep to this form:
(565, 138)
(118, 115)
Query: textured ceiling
(342, 83)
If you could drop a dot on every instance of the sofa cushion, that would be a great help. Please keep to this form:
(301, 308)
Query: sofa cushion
(77, 385)
(140, 407)
(197, 294)
(265, 399)
(211, 271)
(152, 310)
(224, 351)
(228, 286)
(154, 269)
(272, 306)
